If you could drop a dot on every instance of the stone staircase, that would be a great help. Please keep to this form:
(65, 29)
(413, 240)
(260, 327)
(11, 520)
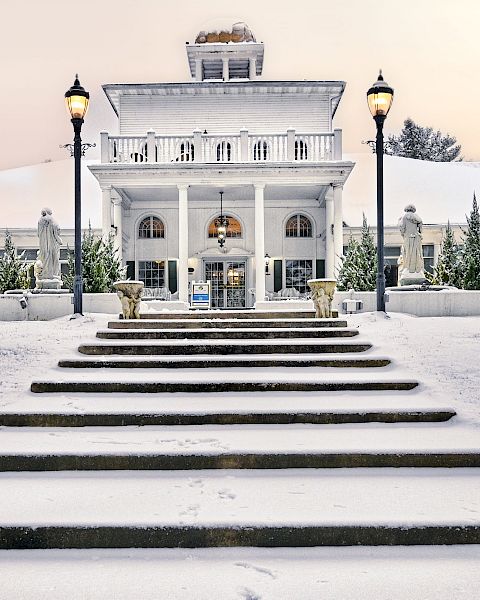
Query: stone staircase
(234, 429)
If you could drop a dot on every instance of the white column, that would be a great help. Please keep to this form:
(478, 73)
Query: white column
(252, 68)
(183, 242)
(338, 227)
(329, 245)
(117, 222)
(226, 73)
(198, 69)
(106, 211)
(259, 242)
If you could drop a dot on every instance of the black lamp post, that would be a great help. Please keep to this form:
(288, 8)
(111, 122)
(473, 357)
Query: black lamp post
(77, 103)
(380, 98)
(221, 224)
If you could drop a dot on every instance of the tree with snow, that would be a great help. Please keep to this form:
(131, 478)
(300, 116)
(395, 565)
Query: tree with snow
(13, 268)
(359, 265)
(423, 143)
(471, 250)
(101, 266)
(448, 270)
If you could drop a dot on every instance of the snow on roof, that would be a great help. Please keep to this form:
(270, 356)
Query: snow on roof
(26, 190)
(441, 192)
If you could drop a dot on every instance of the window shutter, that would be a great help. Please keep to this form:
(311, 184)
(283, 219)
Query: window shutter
(130, 269)
(172, 276)
(320, 269)
(277, 275)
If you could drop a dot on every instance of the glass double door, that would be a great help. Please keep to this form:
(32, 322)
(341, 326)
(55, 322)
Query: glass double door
(228, 283)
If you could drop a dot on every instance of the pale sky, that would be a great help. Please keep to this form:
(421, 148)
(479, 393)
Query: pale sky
(428, 50)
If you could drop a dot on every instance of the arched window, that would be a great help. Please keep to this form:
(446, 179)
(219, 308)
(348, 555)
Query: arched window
(151, 227)
(234, 229)
(187, 152)
(301, 150)
(224, 152)
(261, 151)
(298, 226)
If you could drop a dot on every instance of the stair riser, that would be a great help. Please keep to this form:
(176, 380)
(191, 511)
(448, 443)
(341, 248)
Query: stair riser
(210, 537)
(232, 461)
(219, 349)
(226, 314)
(207, 387)
(191, 334)
(119, 420)
(225, 324)
(229, 364)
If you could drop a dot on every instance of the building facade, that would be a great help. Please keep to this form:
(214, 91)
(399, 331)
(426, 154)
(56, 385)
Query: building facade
(269, 146)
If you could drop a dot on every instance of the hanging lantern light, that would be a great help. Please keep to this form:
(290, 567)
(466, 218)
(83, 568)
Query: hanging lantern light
(221, 224)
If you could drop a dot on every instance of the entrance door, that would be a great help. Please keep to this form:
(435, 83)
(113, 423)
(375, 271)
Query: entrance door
(228, 283)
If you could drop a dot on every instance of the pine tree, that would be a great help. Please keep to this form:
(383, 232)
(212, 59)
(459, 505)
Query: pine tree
(359, 266)
(423, 143)
(13, 269)
(448, 270)
(471, 250)
(101, 266)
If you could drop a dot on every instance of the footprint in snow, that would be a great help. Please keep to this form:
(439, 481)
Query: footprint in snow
(226, 494)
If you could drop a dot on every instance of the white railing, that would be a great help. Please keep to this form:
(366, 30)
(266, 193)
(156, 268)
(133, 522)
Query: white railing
(210, 148)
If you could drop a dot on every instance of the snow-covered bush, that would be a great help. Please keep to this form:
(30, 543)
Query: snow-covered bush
(359, 265)
(13, 269)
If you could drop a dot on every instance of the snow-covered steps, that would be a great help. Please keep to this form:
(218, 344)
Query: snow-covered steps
(77, 410)
(205, 509)
(239, 447)
(218, 323)
(200, 362)
(229, 334)
(189, 347)
(232, 314)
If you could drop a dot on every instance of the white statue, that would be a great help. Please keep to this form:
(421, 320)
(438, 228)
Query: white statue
(411, 260)
(47, 271)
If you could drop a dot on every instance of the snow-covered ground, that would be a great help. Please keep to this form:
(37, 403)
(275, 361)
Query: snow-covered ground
(441, 353)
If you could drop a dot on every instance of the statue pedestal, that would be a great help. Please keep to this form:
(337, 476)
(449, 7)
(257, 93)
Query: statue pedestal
(130, 293)
(407, 278)
(322, 296)
(48, 284)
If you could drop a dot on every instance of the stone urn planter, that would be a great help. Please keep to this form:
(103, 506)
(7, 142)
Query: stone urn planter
(130, 293)
(322, 296)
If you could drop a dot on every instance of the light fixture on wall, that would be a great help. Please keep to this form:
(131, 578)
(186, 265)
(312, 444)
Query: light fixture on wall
(267, 263)
(221, 224)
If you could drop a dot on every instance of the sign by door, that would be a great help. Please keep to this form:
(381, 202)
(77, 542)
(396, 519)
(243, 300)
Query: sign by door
(201, 295)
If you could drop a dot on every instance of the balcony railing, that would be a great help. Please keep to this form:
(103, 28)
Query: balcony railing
(243, 147)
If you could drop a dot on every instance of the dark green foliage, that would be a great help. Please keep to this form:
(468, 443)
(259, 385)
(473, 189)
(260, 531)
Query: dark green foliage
(13, 269)
(423, 143)
(101, 266)
(471, 250)
(359, 266)
(448, 270)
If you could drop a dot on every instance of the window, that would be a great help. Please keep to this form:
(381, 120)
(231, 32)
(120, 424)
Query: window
(152, 273)
(427, 251)
(301, 152)
(187, 152)
(151, 227)
(261, 151)
(298, 226)
(234, 229)
(297, 273)
(224, 152)
(29, 254)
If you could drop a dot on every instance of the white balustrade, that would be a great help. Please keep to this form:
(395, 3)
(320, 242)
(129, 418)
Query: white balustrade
(209, 148)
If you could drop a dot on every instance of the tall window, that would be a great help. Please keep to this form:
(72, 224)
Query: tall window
(428, 257)
(301, 151)
(152, 273)
(151, 227)
(234, 229)
(260, 151)
(298, 226)
(297, 273)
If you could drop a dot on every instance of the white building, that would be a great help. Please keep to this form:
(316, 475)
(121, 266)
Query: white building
(269, 146)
